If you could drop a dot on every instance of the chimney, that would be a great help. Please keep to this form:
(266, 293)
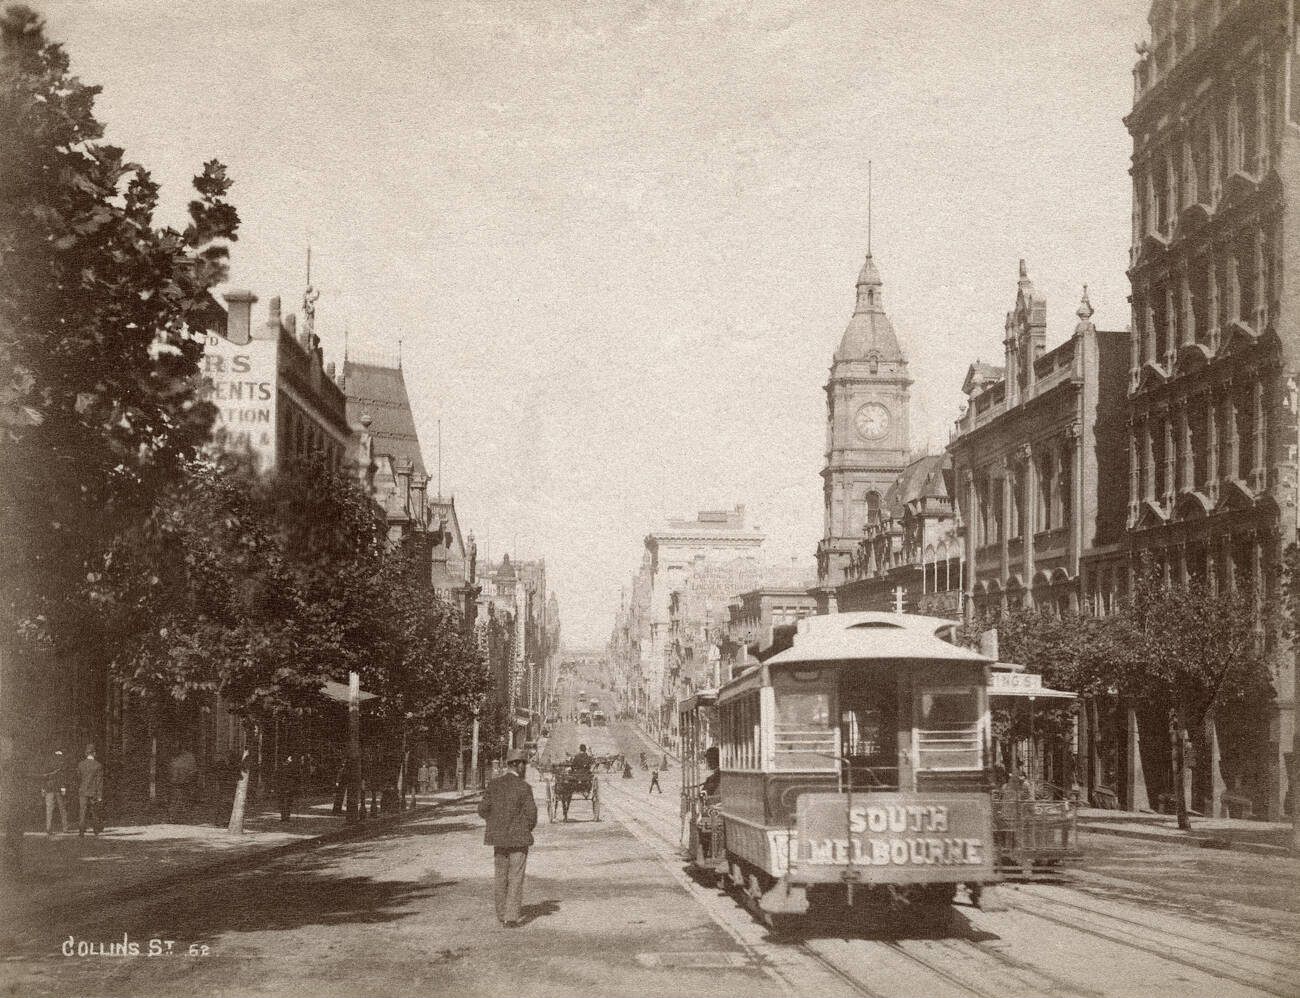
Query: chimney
(239, 316)
(403, 474)
(419, 485)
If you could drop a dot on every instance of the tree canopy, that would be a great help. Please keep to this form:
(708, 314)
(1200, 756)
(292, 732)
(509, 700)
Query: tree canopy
(100, 407)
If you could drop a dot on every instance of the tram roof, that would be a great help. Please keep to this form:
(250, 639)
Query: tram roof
(874, 634)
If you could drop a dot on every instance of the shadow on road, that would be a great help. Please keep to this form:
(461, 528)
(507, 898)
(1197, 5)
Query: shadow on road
(295, 892)
(532, 912)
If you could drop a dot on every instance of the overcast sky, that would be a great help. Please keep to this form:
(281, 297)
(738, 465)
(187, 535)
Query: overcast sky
(618, 241)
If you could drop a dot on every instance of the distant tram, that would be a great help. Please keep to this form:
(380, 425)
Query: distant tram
(855, 769)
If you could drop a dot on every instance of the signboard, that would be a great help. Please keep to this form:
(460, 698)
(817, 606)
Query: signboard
(242, 379)
(893, 837)
(1015, 682)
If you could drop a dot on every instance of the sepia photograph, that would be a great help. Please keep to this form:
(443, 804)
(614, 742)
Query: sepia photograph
(649, 498)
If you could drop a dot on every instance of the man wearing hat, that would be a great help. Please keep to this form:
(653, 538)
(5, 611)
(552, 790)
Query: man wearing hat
(511, 815)
(90, 792)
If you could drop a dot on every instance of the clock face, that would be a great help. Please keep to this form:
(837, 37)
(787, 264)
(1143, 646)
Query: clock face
(872, 421)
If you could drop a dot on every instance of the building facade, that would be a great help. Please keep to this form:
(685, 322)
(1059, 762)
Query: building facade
(910, 550)
(1214, 269)
(867, 426)
(1035, 458)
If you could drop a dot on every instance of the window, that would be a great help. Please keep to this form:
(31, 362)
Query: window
(803, 735)
(948, 730)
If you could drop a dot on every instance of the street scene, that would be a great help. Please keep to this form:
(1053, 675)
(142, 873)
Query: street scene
(650, 498)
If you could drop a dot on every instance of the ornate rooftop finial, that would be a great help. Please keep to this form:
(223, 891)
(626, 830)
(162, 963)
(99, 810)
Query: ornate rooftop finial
(1024, 271)
(1085, 306)
(309, 297)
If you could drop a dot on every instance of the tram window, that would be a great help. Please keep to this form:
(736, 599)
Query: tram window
(948, 730)
(804, 710)
(804, 736)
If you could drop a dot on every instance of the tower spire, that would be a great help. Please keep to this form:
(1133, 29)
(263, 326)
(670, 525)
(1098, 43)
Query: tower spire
(868, 208)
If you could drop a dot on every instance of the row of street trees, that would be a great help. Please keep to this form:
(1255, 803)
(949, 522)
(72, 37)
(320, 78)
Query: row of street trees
(1182, 653)
(130, 552)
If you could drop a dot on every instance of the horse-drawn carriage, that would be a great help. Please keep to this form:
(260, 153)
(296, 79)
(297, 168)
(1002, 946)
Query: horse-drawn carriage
(564, 783)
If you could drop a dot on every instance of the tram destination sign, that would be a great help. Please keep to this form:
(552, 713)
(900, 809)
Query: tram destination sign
(888, 837)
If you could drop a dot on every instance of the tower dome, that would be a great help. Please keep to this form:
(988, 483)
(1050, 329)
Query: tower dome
(870, 333)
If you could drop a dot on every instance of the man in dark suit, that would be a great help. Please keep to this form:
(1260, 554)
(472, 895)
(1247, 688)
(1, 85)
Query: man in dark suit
(90, 793)
(511, 815)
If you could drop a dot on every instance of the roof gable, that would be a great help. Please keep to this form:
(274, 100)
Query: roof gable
(379, 392)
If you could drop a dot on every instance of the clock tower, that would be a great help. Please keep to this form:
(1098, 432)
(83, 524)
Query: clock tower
(867, 442)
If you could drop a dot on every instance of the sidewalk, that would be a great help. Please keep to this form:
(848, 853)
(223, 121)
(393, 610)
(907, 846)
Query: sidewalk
(70, 871)
(1265, 838)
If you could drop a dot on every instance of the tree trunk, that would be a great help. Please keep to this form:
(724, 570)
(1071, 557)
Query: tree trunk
(236, 825)
(1178, 734)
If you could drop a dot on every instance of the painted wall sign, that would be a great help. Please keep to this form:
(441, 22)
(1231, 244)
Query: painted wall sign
(1018, 681)
(243, 388)
(933, 837)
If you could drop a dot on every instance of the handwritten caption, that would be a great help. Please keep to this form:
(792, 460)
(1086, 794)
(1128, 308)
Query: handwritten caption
(126, 946)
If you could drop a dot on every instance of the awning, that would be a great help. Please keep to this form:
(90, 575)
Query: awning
(339, 692)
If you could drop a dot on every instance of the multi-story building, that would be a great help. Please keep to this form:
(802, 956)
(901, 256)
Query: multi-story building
(1035, 455)
(716, 554)
(754, 620)
(910, 550)
(867, 428)
(1214, 269)
(276, 397)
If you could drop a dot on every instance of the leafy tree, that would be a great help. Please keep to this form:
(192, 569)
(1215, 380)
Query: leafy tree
(99, 406)
(1191, 650)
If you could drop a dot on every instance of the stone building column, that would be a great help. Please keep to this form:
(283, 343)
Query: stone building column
(1232, 463)
(1005, 533)
(1259, 461)
(1030, 512)
(1149, 459)
(972, 513)
(1212, 447)
(1187, 462)
(1170, 461)
(1133, 472)
(1072, 505)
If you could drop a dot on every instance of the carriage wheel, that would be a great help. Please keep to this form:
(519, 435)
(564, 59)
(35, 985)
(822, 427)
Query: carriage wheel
(550, 802)
(595, 799)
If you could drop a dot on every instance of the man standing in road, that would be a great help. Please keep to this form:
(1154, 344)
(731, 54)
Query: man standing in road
(54, 788)
(90, 793)
(511, 815)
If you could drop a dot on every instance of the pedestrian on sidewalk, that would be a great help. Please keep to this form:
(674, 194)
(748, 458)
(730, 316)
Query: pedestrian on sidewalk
(90, 793)
(511, 814)
(180, 779)
(654, 782)
(54, 788)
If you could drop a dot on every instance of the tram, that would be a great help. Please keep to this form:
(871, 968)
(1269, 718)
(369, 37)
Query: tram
(855, 769)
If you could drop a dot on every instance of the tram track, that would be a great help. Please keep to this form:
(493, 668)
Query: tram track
(1169, 946)
(990, 974)
(970, 968)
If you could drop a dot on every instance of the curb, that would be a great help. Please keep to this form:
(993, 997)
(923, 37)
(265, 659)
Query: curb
(1195, 841)
(205, 869)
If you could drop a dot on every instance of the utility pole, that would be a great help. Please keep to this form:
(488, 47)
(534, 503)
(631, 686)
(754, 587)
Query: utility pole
(354, 745)
(473, 754)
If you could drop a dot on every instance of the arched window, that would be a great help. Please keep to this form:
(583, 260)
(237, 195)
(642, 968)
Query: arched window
(873, 505)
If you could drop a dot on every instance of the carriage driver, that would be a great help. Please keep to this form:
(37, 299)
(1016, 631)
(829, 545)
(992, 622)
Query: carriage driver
(582, 761)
